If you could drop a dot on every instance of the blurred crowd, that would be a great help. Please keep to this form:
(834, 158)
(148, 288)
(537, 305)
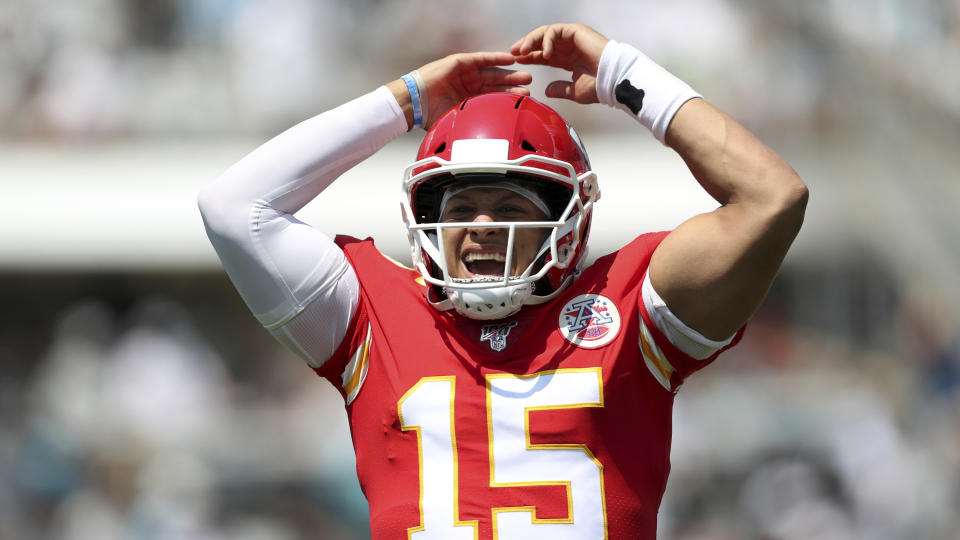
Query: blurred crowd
(95, 68)
(162, 411)
(129, 422)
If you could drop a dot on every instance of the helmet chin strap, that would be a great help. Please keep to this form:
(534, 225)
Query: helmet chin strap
(489, 304)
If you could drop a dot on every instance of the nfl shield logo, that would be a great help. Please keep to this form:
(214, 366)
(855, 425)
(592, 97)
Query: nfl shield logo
(497, 334)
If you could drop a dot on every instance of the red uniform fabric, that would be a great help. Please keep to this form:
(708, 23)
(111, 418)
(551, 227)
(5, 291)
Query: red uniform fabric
(610, 452)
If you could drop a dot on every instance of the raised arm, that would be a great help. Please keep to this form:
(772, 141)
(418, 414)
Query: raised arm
(714, 270)
(283, 268)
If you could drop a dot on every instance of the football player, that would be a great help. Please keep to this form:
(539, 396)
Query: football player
(502, 388)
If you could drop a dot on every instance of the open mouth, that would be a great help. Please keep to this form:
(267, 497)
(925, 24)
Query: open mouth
(485, 264)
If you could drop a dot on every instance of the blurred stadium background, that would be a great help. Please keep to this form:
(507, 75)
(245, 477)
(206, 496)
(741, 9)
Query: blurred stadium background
(139, 399)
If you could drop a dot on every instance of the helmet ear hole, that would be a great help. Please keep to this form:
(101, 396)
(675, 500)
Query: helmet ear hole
(527, 146)
(441, 148)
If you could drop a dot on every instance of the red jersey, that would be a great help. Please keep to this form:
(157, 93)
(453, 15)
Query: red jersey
(554, 423)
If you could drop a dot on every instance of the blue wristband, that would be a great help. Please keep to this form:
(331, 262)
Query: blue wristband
(415, 98)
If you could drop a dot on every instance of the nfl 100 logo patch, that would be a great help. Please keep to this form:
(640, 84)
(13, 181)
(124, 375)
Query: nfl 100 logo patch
(590, 321)
(497, 334)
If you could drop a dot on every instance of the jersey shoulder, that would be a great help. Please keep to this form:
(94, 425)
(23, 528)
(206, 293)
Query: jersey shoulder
(640, 249)
(623, 269)
(620, 275)
(391, 295)
(369, 262)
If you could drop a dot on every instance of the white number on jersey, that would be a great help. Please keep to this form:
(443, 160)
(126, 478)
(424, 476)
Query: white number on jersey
(428, 407)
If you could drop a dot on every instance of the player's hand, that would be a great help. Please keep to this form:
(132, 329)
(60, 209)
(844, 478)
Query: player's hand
(454, 78)
(574, 47)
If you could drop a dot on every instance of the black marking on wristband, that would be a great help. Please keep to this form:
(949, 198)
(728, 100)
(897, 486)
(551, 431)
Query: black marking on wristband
(630, 96)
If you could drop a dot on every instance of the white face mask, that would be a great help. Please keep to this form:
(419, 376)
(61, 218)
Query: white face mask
(563, 252)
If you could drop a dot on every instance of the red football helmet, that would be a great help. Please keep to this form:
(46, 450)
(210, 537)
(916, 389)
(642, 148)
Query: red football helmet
(510, 138)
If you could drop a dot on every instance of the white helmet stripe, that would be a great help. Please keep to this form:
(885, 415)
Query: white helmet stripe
(487, 150)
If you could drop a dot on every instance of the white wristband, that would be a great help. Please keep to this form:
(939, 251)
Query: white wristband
(628, 80)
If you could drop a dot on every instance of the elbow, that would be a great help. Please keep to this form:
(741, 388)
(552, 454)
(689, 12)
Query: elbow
(207, 203)
(216, 211)
(799, 195)
(791, 204)
(206, 198)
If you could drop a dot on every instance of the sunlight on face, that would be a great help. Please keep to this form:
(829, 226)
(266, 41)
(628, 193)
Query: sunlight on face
(482, 251)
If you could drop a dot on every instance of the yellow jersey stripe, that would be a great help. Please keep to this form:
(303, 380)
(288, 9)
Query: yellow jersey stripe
(356, 370)
(653, 357)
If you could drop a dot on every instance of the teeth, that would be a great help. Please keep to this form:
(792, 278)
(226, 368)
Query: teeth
(473, 257)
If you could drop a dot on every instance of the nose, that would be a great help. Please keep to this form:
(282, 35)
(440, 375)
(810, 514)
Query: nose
(479, 230)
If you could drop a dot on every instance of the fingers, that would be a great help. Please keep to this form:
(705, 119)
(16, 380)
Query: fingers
(503, 80)
(542, 39)
(534, 57)
(484, 66)
(500, 76)
(483, 59)
(582, 89)
(549, 37)
(539, 58)
(529, 42)
(512, 89)
(561, 45)
(560, 89)
(458, 75)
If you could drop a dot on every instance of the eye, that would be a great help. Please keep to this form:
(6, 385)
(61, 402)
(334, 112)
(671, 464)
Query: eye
(458, 212)
(510, 211)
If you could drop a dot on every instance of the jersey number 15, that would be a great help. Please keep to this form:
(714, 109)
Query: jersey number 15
(428, 408)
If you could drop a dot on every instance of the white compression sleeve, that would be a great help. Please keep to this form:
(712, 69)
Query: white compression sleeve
(283, 268)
